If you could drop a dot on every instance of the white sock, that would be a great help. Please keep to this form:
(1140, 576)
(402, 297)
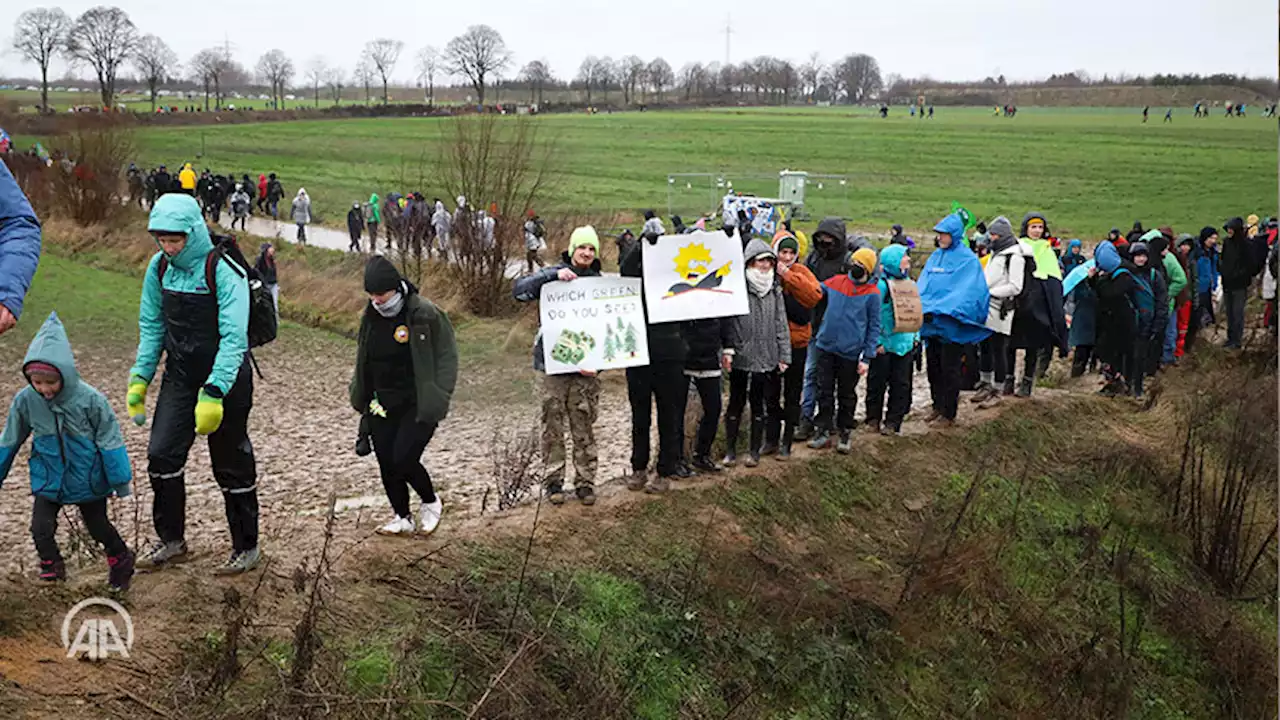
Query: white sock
(988, 377)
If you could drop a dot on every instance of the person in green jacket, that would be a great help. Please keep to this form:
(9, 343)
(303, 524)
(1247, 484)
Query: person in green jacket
(207, 388)
(373, 218)
(405, 374)
(1159, 241)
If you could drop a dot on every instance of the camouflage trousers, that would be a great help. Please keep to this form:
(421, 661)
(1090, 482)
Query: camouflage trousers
(575, 399)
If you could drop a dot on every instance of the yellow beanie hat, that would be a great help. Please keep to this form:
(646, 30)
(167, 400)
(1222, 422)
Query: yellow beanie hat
(585, 235)
(866, 257)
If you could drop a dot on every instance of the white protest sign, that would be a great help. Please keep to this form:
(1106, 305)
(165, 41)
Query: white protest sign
(594, 323)
(693, 276)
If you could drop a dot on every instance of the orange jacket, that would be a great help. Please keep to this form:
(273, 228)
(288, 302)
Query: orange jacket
(801, 286)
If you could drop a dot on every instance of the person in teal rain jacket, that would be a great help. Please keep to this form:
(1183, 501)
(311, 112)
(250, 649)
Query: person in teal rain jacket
(954, 297)
(207, 387)
(892, 367)
(77, 452)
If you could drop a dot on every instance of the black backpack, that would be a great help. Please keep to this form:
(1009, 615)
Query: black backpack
(263, 324)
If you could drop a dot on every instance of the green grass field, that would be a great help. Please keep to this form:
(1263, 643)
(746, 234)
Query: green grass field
(1089, 169)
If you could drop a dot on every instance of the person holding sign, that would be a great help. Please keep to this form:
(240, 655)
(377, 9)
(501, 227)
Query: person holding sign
(900, 320)
(848, 336)
(574, 398)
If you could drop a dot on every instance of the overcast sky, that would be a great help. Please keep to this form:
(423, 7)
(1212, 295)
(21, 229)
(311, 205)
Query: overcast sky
(944, 39)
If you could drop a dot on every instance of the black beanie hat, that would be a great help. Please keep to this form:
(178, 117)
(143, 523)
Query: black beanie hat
(380, 275)
(1207, 231)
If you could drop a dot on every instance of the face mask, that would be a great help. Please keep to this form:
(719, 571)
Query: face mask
(392, 307)
(761, 280)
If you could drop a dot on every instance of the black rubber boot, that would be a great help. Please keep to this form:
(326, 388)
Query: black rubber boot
(1024, 387)
(731, 426)
(1008, 386)
(772, 431)
(757, 440)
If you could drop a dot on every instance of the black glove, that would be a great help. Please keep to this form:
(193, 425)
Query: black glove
(363, 444)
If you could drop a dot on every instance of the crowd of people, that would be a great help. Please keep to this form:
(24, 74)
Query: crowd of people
(215, 193)
(409, 222)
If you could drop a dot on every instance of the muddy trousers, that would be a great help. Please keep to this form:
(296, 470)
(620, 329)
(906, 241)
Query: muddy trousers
(837, 391)
(662, 383)
(943, 360)
(892, 373)
(763, 391)
(44, 527)
(173, 430)
(373, 235)
(398, 442)
(709, 395)
(572, 400)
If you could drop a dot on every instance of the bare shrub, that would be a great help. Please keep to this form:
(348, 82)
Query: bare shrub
(515, 466)
(503, 168)
(83, 182)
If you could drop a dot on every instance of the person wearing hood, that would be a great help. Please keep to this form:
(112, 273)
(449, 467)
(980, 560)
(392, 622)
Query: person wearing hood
(262, 192)
(1135, 234)
(845, 346)
(302, 214)
(1083, 332)
(829, 257)
(534, 240)
(268, 273)
(77, 457)
(569, 399)
(19, 248)
(891, 369)
(372, 212)
(1166, 263)
(897, 237)
(652, 226)
(956, 303)
(1041, 324)
(1073, 258)
(662, 383)
(1238, 268)
(1113, 282)
(1150, 300)
(195, 312)
(187, 180)
(1005, 275)
(802, 293)
(275, 193)
(355, 226)
(762, 355)
(1186, 300)
(240, 205)
(405, 374)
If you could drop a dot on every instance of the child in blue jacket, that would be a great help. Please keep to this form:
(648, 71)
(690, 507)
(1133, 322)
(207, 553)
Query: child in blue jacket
(891, 370)
(846, 344)
(77, 453)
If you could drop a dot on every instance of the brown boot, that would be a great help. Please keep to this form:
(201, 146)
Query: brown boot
(637, 479)
(658, 485)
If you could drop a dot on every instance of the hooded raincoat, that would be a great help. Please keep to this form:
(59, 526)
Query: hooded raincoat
(897, 343)
(953, 290)
(77, 451)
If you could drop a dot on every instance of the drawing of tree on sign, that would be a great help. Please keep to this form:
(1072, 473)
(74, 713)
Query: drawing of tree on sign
(692, 265)
(629, 342)
(610, 348)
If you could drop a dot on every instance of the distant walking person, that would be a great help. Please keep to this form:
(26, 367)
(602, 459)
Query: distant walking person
(275, 193)
(1168, 115)
(302, 214)
(355, 226)
(1145, 111)
(262, 193)
(266, 267)
(372, 219)
(240, 204)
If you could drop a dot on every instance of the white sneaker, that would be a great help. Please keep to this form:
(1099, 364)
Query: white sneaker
(430, 516)
(399, 526)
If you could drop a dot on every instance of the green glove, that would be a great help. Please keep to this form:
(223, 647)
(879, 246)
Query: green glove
(208, 413)
(137, 400)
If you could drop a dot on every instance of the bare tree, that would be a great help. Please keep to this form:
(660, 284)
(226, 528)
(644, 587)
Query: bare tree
(365, 75)
(156, 63)
(810, 73)
(588, 74)
(631, 71)
(660, 76)
(537, 75)
(336, 79)
(382, 55)
(214, 69)
(429, 65)
(476, 54)
(317, 74)
(38, 35)
(691, 80)
(858, 75)
(606, 75)
(103, 37)
(277, 69)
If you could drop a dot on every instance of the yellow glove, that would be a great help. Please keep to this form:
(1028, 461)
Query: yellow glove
(137, 400)
(208, 413)
(376, 408)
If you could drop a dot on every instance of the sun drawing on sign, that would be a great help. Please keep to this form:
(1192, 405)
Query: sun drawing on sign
(692, 265)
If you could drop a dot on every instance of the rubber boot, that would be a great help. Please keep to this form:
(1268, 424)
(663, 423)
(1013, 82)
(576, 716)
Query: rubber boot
(1043, 358)
(1024, 387)
(1008, 385)
(757, 440)
(773, 429)
(731, 426)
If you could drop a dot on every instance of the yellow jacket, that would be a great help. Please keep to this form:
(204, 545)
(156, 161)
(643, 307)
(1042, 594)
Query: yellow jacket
(187, 178)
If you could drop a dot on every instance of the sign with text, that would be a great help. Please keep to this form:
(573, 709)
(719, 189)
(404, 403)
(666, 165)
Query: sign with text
(693, 276)
(594, 323)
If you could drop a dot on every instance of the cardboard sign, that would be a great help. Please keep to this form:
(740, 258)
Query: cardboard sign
(592, 323)
(908, 312)
(693, 276)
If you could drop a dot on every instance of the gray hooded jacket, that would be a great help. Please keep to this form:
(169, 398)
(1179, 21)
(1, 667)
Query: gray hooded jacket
(764, 338)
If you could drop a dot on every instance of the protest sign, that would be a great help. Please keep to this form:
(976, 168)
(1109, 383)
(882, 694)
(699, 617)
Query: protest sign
(693, 276)
(594, 323)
